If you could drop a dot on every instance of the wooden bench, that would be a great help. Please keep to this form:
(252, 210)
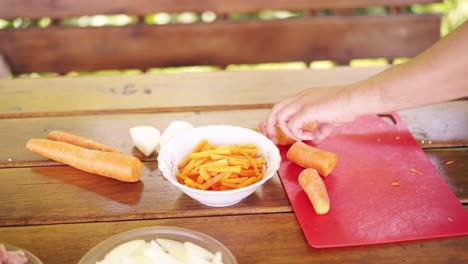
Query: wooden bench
(5, 72)
(323, 30)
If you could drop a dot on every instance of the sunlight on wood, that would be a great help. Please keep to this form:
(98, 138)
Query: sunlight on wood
(368, 62)
(37, 75)
(267, 66)
(322, 64)
(400, 60)
(183, 69)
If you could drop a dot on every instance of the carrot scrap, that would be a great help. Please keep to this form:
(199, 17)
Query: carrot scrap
(210, 167)
(416, 171)
(395, 183)
(58, 135)
(109, 164)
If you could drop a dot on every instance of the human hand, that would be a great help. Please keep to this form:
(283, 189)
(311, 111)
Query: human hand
(311, 115)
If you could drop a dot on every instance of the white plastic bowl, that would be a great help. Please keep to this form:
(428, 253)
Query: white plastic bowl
(180, 146)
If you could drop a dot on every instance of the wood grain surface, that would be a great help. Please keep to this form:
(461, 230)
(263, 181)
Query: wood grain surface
(267, 238)
(59, 213)
(430, 127)
(164, 92)
(84, 197)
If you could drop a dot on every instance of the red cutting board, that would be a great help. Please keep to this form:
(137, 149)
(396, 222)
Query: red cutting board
(365, 207)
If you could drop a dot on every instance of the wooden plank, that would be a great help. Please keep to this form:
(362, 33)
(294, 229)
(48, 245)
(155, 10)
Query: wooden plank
(141, 46)
(62, 194)
(444, 124)
(427, 134)
(272, 238)
(452, 165)
(430, 125)
(5, 72)
(164, 92)
(67, 8)
(97, 128)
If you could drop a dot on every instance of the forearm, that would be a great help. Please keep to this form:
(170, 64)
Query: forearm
(439, 74)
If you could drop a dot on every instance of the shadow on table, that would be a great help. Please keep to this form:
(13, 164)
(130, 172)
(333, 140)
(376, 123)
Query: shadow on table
(121, 192)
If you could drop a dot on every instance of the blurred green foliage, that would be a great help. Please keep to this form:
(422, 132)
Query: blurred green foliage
(455, 12)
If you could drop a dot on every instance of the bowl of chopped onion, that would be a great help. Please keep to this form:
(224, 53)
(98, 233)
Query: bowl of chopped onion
(159, 244)
(219, 165)
(13, 254)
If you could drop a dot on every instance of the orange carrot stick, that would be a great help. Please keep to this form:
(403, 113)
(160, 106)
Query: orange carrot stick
(310, 157)
(312, 184)
(109, 164)
(78, 141)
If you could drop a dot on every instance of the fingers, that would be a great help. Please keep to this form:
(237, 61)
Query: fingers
(303, 124)
(306, 126)
(285, 115)
(295, 126)
(274, 116)
(322, 132)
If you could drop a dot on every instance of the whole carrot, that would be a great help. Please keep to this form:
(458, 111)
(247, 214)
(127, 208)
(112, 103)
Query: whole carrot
(78, 141)
(109, 164)
(310, 157)
(313, 186)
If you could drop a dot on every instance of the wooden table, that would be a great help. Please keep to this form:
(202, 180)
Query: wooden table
(59, 213)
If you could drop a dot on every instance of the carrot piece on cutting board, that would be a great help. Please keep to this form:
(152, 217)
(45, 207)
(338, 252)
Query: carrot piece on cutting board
(310, 157)
(109, 164)
(313, 186)
(78, 141)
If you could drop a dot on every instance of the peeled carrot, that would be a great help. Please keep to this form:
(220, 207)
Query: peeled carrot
(109, 164)
(313, 186)
(310, 157)
(282, 139)
(78, 141)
